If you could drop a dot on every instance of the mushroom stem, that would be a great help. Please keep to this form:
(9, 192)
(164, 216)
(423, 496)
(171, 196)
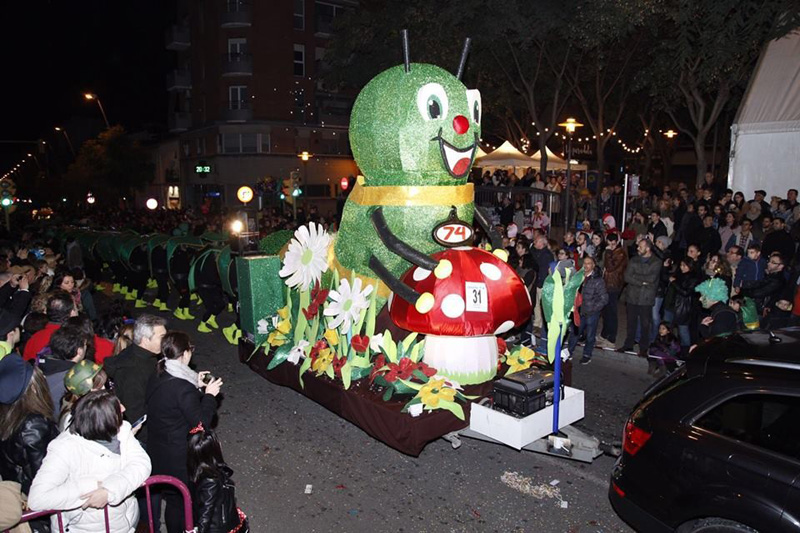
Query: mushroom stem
(467, 360)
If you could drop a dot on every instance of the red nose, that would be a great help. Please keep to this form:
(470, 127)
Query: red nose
(461, 124)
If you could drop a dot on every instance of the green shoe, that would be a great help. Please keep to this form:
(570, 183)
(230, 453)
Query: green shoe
(232, 334)
(203, 328)
(140, 304)
(163, 307)
(199, 301)
(152, 284)
(123, 289)
(230, 308)
(193, 296)
(115, 288)
(212, 321)
(187, 314)
(157, 302)
(178, 313)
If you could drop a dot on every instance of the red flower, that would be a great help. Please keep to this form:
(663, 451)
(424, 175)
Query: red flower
(501, 346)
(338, 363)
(406, 368)
(427, 370)
(318, 298)
(319, 345)
(360, 343)
(392, 374)
(379, 363)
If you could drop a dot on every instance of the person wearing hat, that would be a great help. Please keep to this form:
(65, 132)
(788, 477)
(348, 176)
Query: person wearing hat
(79, 380)
(26, 420)
(759, 197)
(721, 319)
(9, 332)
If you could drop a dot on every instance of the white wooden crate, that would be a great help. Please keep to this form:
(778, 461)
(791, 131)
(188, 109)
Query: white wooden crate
(519, 432)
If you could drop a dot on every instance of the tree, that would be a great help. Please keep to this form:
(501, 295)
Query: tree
(706, 52)
(610, 35)
(112, 165)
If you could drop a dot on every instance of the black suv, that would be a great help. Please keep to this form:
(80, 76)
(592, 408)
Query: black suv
(715, 446)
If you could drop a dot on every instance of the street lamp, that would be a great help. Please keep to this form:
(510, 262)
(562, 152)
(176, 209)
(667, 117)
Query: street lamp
(570, 125)
(92, 96)
(669, 134)
(304, 157)
(69, 142)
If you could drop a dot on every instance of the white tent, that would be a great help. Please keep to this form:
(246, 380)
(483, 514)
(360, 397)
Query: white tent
(505, 156)
(480, 153)
(765, 137)
(555, 162)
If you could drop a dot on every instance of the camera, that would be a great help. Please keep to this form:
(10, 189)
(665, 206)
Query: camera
(208, 378)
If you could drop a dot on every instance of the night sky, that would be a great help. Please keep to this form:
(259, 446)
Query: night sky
(54, 51)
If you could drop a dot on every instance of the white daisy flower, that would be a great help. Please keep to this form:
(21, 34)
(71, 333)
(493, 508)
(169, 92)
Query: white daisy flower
(306, 258)
(376, 342)
(263, 326)
(346, 304)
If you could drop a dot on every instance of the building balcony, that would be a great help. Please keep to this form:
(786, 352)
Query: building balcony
(179, 80)
(237, 111)
(237, 14)
(178, 38)
(237, 65)
(179, 121)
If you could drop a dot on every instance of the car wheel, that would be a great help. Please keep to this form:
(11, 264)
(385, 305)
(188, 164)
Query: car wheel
(715, 525)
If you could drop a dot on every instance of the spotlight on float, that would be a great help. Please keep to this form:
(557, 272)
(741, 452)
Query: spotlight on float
(244, 233)
(151, 204)
(90, 199)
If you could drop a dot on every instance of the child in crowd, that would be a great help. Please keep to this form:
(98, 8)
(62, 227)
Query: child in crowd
(213, 493)
(664, 351)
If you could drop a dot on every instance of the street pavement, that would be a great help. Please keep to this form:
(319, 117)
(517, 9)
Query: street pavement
(278, 442)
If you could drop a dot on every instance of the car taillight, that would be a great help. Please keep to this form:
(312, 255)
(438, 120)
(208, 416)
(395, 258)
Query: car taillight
(634, 438)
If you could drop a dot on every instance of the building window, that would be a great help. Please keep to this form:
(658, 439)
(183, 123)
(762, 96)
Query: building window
(249, 143)
(230, 143)
(237, 97)
(764, 420)
(265, 143)
(299, 60)
(325, 13)
(299, 112)
(236, 48)
(186, 149)
(299, 14)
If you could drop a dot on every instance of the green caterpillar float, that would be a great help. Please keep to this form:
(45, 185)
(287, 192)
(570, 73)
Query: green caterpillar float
(414, 132)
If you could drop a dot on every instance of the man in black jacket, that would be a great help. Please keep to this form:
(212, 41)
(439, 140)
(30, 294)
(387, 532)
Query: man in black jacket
(542, 257)
(132, 367)
(709, 240)
(67, 348)
(766, 291)
(778, 240)
(656, 228)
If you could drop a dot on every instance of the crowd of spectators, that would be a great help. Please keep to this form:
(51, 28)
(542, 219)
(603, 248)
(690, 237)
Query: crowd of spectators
(691, 263)
(92, 404)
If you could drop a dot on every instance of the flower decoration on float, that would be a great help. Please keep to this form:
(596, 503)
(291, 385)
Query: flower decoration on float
(346, 304)
(307, 257)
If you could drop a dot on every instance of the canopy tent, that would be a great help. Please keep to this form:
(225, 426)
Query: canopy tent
(505, 156)
(765, 136)
(480, 153)
(555, 162)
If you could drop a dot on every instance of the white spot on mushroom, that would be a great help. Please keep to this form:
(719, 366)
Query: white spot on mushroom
(528, 294)
(453, 306)
(463, 248)
(420, 274)
(490, 271)
(505, 326)
(389, 301)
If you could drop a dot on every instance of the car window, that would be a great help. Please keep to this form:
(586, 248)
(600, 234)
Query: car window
(769, 421)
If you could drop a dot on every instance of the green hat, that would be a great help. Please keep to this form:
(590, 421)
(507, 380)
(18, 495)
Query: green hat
(714, 289)
(78, 380)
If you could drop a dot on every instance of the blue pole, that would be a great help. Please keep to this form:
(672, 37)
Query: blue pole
(557, 381)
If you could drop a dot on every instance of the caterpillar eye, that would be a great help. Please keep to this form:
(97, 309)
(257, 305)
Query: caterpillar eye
(432, 102)
(474, 103)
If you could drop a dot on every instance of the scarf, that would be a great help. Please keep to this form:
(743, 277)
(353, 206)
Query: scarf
(177, 369)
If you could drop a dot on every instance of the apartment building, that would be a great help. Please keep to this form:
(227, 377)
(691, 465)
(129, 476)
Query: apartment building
(246, 97)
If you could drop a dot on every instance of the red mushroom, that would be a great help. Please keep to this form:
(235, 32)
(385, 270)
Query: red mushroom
(471, 297)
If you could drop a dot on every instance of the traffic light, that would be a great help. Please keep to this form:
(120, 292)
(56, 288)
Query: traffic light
(7, 191)
(287, 188)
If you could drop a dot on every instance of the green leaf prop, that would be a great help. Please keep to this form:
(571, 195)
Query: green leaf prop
(558, 300)
(371, 313)
(302, 322)
(280, 355)
(305, 366)
(408, 340)
(329, 372)
(346, 370)
(389, 347)
(453, 407)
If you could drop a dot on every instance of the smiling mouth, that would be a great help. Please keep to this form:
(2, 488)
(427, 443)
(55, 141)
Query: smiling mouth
(457, 161)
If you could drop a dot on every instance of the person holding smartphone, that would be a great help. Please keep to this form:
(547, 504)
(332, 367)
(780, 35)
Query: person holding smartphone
(178, 398)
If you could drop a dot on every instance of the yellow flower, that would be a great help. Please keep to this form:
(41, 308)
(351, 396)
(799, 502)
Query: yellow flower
(283, 312)
(332, 337)
(435, 390)
(276, 338)
(284, 326)
(520, 360)
(323, 361)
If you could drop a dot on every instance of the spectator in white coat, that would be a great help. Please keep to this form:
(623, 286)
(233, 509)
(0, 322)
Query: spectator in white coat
(96, 462)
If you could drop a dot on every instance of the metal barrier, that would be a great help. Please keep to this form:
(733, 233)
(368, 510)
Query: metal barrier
(492, 197)
(152, 480)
